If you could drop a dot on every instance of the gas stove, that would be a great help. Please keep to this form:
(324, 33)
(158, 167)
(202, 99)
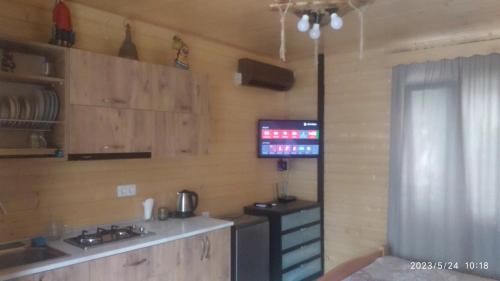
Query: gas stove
(107, 235)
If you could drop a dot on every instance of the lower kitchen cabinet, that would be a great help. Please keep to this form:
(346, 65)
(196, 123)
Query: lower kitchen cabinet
(77, 272)
(131, 266)
(205, 257)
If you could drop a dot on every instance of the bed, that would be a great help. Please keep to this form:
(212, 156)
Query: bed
(377, 266)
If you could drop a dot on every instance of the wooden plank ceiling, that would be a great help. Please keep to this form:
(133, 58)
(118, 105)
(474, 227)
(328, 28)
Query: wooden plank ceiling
(251, 25)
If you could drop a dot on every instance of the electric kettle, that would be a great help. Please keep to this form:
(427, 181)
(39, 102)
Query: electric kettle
(187, 202)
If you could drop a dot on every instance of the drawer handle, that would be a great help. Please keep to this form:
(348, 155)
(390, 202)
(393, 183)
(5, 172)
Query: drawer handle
(113, 101)
(113, 146)
(137, 263)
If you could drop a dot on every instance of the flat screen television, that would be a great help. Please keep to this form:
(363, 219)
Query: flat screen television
(288, 139)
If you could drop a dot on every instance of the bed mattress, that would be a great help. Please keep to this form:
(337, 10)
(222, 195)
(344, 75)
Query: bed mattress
(396, 269)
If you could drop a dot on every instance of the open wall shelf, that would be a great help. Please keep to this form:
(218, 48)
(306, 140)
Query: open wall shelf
(30, 79)
(35, 116)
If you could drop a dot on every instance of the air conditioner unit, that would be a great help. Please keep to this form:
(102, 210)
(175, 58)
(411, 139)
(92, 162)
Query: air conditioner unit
(258, 74)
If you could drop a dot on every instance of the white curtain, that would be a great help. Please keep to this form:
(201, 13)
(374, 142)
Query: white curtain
(444, 200)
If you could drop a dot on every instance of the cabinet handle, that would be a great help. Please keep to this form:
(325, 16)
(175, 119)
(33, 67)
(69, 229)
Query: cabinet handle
(137, 263)
(204, 247)
(113, 101)
(209, 248)
(113, 146)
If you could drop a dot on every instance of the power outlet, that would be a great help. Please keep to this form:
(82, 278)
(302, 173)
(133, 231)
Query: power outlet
(127, 190)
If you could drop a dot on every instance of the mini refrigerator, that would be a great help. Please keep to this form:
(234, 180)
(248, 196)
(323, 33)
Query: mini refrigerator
(249, 248)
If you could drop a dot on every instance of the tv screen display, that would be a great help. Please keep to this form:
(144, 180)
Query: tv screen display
(288, 139)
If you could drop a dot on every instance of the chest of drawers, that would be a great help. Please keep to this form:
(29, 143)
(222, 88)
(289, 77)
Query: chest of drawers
(296, 241)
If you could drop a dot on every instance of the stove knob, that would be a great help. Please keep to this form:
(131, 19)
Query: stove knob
(142, 229)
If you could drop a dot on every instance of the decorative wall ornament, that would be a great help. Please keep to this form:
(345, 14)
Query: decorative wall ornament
(8, 64)
(62, 31)
(128, 49)
(181, 60)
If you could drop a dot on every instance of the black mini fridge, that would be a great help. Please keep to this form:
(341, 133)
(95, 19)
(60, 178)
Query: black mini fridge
(249, 248)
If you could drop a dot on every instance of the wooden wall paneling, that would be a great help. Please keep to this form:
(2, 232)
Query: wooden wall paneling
(84, 193)
(357, 142)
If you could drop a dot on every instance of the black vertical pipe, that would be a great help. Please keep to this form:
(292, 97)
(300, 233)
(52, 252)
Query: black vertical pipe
(321, 157)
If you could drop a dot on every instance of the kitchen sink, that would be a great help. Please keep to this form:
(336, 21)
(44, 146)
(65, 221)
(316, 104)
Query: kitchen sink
(19, 253)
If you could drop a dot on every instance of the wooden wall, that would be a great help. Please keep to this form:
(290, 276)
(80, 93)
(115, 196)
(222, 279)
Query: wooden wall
(84, 193)
(357, 112)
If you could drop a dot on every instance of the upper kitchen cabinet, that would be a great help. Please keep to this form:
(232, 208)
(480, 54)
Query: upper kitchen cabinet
(102, 80)
(98, 130)
(81, 105)
(178, 90)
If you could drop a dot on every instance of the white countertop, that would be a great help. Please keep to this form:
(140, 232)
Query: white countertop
(172, 229)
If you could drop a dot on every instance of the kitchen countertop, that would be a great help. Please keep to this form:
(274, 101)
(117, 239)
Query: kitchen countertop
(165, 231)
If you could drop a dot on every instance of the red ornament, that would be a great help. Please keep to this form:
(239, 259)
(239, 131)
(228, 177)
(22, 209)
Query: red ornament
(62, 17)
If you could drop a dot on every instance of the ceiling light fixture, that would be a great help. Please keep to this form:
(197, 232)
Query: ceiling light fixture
(314, 14)
(319, 18)
(336, 22)
(303, 25)
(315, 32)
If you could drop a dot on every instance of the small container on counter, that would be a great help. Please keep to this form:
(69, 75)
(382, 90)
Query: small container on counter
(163, 213)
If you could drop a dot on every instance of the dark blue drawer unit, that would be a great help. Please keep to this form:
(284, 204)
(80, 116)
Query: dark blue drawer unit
(296, 242)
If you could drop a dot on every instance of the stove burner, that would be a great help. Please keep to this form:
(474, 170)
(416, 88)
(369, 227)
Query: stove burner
(102, 236)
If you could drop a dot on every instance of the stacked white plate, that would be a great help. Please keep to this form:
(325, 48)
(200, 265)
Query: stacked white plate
(25, 110)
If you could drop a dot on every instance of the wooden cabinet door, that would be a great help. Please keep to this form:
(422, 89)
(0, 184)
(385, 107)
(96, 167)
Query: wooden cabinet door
(206, 257)
(103, 80)
(219, 255)
(166, 261)
(77, 272)
(110, 130)
(180, 134)
(136, 265)
(178, 90)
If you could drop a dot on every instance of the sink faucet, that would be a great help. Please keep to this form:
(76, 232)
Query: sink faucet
(2, 208)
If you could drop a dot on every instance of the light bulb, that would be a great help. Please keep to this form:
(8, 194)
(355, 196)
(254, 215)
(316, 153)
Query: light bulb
(336, 21)
(315, 33)
(303, 24)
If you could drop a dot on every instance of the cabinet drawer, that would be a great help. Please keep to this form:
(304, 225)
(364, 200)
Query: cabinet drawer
(300, 236)
(131, 266)
(300, 255)
(303, 271)
(300, 218)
